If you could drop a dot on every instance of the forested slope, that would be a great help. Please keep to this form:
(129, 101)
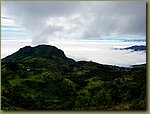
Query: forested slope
(43, 78)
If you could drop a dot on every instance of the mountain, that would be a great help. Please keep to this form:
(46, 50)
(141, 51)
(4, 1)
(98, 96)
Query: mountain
(44, 51)
(43, 78)
(137, 48)
(134, 48)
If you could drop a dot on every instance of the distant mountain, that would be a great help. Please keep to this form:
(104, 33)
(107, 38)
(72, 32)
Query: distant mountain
(137, 48)
(43, 78)
(136, 40)
(134, 48)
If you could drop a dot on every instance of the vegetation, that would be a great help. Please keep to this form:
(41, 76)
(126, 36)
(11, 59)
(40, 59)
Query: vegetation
(43, 78)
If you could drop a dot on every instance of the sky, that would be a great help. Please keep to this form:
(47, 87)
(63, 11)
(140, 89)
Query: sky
(83, 30)
(47, 21)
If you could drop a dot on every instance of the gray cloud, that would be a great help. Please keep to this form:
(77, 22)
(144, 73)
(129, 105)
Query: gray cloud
(45, 33)
(80, 20)
(118, 18)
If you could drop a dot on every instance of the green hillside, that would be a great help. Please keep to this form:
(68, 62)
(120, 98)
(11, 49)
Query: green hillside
(43, 78)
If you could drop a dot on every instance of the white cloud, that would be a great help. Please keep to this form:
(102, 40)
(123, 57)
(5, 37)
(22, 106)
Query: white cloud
(102, 51)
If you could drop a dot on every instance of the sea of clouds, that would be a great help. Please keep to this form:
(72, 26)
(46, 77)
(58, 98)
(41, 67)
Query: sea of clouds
(101, 51)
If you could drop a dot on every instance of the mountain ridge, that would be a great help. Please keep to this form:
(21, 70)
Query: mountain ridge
(135, 48)
(39, 50)
(45, 51)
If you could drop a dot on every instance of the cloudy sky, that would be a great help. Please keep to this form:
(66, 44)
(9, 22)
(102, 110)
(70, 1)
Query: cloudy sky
(44, 21)
(83, 30)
